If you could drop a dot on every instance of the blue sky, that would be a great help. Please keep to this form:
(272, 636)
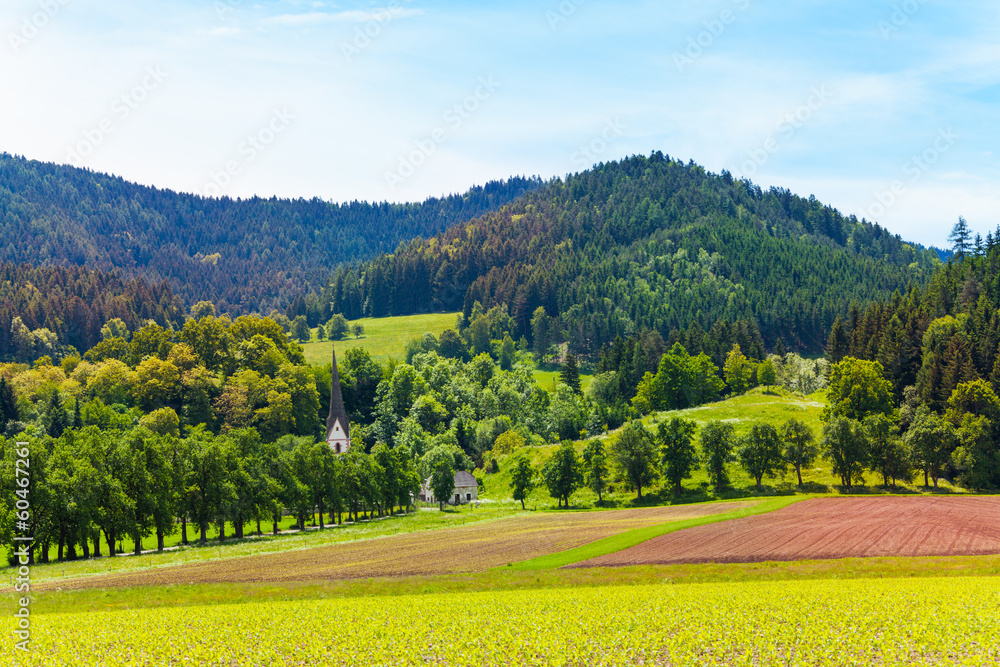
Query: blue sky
(887, 110)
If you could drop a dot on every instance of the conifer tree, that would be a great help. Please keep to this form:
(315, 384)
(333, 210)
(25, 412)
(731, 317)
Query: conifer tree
(8, 405)
(961, 238)
(569, 374)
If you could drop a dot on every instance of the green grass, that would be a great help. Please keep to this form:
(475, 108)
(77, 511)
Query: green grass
(622, 541)
(384, 337)
(415, 521)
(546, 379)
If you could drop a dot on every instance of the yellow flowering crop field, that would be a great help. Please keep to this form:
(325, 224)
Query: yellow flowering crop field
(885, 622)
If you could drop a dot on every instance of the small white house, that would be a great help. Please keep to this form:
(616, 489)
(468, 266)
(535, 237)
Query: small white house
(466, 490)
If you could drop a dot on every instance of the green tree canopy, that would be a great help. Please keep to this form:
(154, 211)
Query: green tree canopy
(761, 453)
(562, 473)
(859, 389)
(634, 455)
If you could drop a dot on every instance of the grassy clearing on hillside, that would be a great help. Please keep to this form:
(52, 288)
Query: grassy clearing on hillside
(887, 622)
(774, 406)
(417, 521)
(547, 379)
(384, 337)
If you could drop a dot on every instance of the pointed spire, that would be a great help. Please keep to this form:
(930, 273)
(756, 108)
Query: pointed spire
(337, 411)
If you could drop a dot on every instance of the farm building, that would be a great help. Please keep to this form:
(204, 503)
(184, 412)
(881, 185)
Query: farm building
(466, 490)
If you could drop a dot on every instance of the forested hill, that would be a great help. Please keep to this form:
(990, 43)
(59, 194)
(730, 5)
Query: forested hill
(647, 243)
(244, 255)
(44, 311)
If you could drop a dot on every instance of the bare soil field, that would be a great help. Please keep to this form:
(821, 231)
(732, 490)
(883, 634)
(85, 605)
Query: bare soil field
(470, 548)
(831, 528)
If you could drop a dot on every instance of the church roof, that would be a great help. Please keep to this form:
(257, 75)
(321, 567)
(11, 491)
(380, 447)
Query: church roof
(337, 410)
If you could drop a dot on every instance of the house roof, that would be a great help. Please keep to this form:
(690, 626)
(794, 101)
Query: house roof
(463, 478)
(337, 410)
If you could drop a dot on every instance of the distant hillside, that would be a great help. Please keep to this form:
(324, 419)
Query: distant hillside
(43, 310)
(245, 255)
(647, 243)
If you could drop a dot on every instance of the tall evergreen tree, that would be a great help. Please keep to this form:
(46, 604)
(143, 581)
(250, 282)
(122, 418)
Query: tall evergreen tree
(569, 374)
(961, 238)
(8, 405)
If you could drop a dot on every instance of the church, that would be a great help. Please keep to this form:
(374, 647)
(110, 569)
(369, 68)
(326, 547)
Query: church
(338, 428)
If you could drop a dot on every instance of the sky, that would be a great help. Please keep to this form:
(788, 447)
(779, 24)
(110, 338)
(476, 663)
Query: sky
(886, 110)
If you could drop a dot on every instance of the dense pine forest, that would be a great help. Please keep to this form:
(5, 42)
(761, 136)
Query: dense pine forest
(935, 337)
(645, 244)
(244, 255)
(60, 311)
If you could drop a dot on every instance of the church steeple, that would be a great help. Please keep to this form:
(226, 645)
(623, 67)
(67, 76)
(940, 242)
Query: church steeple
(338, 428)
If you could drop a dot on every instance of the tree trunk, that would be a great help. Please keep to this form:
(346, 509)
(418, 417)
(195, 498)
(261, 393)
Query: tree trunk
(259, 531)
(798, 471)
(759, 480)
(62, 541)
(222, 531)
(522, 503)
(137, 544)
(70, 549)
(97, 543)
(85, 544)
(926, 474)
(204, 532)
(159, 539)
(184, 529)
(274, 522)
(321, 525)
(640, 492)
(109, 535)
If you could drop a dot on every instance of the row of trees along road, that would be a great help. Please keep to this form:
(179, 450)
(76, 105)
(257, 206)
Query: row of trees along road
(134, 484)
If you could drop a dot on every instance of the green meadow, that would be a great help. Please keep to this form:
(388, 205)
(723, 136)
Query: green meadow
(384, 337)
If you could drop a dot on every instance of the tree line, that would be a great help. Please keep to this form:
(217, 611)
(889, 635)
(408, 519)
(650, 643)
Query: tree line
(59, 311)
(92, 485)
(938, 347)
(645, 243)
(245, 255)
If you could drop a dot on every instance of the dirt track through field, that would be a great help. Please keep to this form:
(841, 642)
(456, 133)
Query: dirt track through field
(831, 528)
(470, 548)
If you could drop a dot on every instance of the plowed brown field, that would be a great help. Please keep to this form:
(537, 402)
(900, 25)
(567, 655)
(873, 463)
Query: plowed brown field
(831, 528)
(470, 548)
